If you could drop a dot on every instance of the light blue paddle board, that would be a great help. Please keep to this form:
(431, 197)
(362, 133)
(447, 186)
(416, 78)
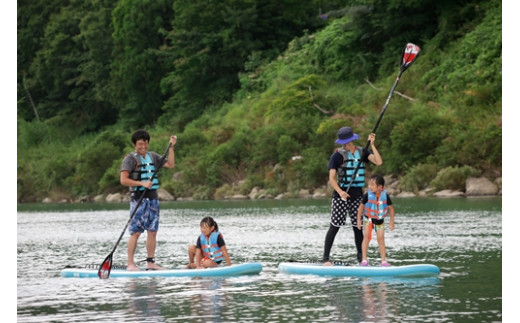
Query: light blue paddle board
(419, 270)
(251, 268)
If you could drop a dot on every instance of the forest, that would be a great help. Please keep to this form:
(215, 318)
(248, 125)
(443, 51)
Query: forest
(248, 85)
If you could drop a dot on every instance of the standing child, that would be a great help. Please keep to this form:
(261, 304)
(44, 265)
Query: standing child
(210, 249)
(376, 205)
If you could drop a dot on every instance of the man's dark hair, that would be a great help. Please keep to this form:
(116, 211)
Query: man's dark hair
(140, 134)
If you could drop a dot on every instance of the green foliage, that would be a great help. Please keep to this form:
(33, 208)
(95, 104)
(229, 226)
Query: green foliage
(418, 177)
(91, 163)
(31, 134)
(414, 140)
(314, 167)
(468, 75)
(211, 41)
(286, 149)
(67, 74)
(478, 144)
(110, 180)
(136, 71)
(246, 85)
(453, 178)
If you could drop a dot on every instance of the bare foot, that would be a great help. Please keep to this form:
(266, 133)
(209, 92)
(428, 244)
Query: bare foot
(153, 266)
(328, 263)
(132, 268)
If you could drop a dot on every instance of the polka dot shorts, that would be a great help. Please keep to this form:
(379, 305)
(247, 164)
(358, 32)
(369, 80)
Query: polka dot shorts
(340, 208)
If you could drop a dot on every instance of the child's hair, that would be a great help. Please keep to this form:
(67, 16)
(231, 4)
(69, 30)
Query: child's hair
(209, 222)
(379, 179)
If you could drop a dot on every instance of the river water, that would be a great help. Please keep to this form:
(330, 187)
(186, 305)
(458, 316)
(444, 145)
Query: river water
(463, 237)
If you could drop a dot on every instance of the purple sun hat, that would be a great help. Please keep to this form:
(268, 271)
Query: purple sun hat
(346, 135)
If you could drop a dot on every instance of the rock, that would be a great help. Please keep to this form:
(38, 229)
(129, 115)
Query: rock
(319, 193)
(47, 200)
(82, 199)
(178, 176)
(393, 191)
(114, 198)
(498, 181)
(426, 192)
(480, 186)
(448, 193)
(405, 194)
(254, 193)
(98, 198)
(390, 182)
(305, 194)
(279, 197)
(238, 197)
(164, 195)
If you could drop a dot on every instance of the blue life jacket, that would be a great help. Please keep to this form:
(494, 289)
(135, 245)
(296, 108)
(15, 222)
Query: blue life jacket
(376, 208)
(143, 171)
(346, 170)
(210, 248)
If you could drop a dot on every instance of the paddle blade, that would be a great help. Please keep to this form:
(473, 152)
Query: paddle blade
(106, 266)
(409, 55)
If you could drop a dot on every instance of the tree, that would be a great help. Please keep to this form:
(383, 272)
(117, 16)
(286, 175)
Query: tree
(67, 73)
(211, 41)
(136, 71)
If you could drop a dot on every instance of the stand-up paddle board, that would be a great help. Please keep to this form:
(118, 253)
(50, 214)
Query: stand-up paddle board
(251, 268)
(419, 270)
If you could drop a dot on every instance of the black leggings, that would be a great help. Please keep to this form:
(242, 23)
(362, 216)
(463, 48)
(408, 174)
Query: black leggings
(329, 240)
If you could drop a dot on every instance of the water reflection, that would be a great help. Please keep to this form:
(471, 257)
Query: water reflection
(144, 304)
(373, 302)
(192, 299)
(378, 299)
(207, 301)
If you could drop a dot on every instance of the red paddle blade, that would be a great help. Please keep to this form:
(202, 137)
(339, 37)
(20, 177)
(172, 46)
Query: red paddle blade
(104, 269)
(410, 53)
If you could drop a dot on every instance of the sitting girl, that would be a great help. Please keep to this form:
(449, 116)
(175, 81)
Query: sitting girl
(210, 249)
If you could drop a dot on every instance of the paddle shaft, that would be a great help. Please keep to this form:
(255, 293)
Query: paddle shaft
(365, 151)
(408, 56)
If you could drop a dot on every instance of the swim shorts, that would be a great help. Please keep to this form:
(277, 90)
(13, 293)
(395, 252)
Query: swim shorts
(340, 208)
(146, 217)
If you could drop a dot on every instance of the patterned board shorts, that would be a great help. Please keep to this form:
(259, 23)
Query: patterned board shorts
(340, 208)
(369, 226)
(146, 217)
(368, 223)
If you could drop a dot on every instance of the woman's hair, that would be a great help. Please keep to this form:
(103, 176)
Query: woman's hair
(209, 222)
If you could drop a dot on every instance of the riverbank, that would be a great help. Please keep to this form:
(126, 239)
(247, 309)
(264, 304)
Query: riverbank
(474, 186)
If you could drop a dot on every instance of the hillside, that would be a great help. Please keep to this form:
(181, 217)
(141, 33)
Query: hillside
(442, 125)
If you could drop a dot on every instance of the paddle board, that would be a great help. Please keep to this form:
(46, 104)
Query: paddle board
(419, 270)
(251, 268)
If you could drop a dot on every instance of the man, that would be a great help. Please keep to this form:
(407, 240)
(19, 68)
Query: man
(137, 170)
